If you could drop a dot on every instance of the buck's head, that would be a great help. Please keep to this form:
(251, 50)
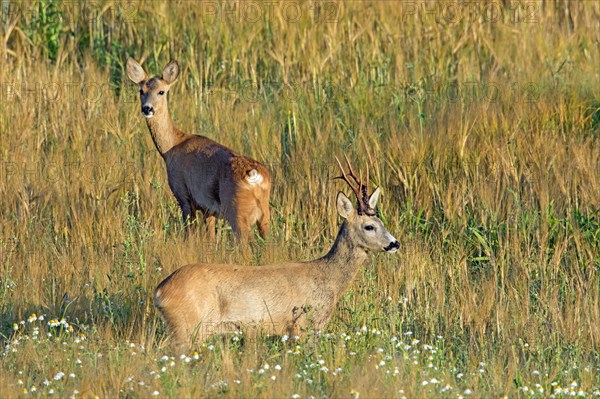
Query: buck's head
(363, 226)
(153, 91)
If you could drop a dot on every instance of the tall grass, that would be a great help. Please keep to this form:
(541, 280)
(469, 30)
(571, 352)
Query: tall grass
(481, 124)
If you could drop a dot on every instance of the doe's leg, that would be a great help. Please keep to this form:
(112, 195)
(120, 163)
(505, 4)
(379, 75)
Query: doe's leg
(209, 224)
(264, 223)
(186, 213)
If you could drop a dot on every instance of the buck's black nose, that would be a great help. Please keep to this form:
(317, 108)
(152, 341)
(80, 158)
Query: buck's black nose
(392, 247)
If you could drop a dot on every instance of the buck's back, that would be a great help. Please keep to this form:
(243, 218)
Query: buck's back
(261, 281)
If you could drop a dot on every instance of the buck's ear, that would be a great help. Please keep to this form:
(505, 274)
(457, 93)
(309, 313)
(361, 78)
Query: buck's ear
(374, 198)
(135, 71)
(171, 72)
(345, 207)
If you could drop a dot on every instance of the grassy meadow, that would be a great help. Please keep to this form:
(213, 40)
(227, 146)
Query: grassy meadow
(480, 121)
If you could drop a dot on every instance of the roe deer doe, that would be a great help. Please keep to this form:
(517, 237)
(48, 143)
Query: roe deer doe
(203, 175)
(199, 300)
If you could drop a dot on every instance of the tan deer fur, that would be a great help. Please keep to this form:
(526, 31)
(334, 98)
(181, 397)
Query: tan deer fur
(199, 300)
(203, 175)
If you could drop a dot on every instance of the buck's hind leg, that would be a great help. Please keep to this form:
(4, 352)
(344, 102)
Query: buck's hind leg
(185, 333)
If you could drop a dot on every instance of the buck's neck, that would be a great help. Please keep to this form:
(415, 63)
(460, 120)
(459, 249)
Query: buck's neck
(343, 261)
(164, 132)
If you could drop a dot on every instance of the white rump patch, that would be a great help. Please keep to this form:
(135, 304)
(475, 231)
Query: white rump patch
(254, 177)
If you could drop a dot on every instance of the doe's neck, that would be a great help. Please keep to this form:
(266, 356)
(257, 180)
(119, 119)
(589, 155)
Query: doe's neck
(164, 132)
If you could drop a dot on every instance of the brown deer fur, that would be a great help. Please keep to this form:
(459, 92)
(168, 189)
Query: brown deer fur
(200, 300)
(203, 175)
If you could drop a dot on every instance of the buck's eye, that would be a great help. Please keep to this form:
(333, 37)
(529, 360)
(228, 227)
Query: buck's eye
(369, 227)
(160, 93)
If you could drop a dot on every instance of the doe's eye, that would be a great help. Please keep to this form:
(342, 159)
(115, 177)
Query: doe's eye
(369, 227)
(160, 93)
(141, 92)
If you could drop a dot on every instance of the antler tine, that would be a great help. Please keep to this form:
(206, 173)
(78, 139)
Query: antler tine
(356, 190)
(343, 176)
(365, 189)
(352, 175)
(361, 190)
(367, 184)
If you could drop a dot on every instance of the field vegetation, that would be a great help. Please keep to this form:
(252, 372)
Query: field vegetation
(480, 121)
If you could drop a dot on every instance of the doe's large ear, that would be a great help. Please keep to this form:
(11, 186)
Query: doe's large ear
(135, 71)
(344, 206)
(374, 198)
(171, 72)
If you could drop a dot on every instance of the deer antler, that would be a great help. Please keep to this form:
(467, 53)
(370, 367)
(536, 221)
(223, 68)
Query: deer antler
(352, 175)
(360, 190)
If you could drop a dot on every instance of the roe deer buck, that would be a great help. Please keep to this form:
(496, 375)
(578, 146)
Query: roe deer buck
(203, 175)
(199, 300)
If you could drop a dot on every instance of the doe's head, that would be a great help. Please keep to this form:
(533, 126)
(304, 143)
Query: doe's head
(364, 228)
(153, 91)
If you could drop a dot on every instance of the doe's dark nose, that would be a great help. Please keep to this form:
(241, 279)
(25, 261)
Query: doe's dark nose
(147, 110)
